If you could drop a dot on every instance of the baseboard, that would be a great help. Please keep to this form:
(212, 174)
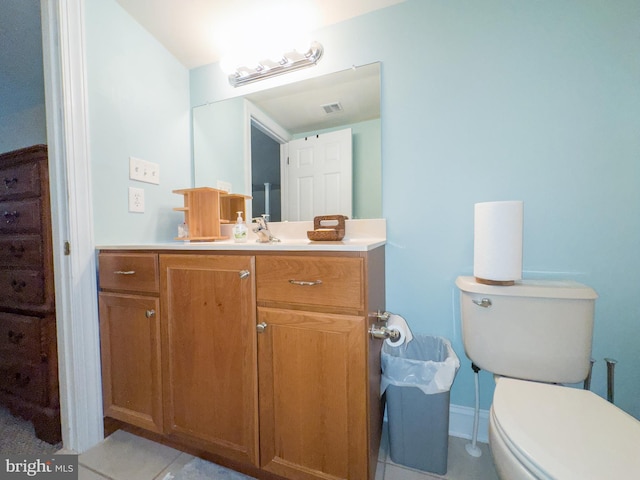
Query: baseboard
(461, 423)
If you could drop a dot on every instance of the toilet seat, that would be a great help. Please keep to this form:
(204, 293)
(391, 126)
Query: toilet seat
(564, 433)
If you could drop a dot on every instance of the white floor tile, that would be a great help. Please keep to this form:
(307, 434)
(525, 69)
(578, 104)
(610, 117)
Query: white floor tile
(86, 474)
(462, 466)
(175, 466)
(123, 456)
(396, 472)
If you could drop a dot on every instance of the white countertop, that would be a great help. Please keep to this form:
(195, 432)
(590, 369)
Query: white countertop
(360, 236)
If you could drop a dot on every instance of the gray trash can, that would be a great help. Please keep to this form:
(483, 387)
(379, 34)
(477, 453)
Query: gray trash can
(417, 378)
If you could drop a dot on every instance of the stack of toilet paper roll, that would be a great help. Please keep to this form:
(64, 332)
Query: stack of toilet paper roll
(497, 245)
(398, 324)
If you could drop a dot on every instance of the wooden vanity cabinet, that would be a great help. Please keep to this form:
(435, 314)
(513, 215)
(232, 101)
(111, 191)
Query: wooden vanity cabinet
(129, 306)
(209, 353)
(320, 412)
(266, 365)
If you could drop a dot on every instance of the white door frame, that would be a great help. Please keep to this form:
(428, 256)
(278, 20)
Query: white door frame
(275, 131)
(72, 223)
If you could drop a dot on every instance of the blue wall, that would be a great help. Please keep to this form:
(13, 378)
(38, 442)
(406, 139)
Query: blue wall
(23, 128)
(138, 106)
(493, 100)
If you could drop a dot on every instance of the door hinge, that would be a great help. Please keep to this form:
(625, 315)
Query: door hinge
(67, 248)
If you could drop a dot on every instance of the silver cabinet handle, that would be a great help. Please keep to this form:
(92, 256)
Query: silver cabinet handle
(261, 327)
(125, 272)
(485, 302)
(244, 274)
(304, 283)
(150, 313)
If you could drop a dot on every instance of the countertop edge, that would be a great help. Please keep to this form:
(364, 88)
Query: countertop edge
(360, 245)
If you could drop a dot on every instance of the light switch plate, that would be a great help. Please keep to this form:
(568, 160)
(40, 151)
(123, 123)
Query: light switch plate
(144, 171)
(136, 200)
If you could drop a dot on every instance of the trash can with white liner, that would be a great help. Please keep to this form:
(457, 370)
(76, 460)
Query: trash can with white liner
(417, 378)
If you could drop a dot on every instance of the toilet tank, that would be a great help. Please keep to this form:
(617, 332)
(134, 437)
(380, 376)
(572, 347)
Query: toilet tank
(534, 330)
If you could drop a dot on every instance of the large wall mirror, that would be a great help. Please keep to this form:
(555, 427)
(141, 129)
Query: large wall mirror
(282, 145)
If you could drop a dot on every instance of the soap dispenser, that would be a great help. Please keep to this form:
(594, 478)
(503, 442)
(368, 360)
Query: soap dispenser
(240, 230)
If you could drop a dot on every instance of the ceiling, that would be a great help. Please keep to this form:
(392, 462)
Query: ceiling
(187, 27)
(184, 28)
(298, 107)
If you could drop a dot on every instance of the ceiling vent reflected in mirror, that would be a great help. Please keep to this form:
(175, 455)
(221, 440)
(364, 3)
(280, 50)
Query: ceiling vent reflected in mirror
(335, 107)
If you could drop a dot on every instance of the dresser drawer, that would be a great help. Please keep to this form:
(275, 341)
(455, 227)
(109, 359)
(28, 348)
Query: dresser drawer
(20, 216)
(327, 281)
(20, 180)
(20, 337)
(21, 251)
(25, 381)
(21, 288)
(134, 272)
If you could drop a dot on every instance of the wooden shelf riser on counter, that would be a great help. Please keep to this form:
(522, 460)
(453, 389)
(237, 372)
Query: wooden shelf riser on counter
(206, 209)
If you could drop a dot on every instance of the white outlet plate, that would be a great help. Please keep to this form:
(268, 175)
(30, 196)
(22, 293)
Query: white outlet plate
(144, 171)
(136, 200)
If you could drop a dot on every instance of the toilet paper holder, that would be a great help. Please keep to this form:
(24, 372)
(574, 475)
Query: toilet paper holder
(380, 330)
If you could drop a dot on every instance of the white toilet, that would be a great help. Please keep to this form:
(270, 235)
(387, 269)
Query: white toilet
(532, 336)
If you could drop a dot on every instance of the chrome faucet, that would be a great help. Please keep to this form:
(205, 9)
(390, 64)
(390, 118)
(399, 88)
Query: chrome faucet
(262, 229)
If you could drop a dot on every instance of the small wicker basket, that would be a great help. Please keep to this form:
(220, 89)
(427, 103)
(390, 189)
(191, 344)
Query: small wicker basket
(332, 232)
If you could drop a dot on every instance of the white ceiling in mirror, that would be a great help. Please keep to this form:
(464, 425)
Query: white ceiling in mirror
(186, 28)
(301, 106)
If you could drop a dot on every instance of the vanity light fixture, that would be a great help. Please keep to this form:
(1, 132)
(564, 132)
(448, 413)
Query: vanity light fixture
(290, 61)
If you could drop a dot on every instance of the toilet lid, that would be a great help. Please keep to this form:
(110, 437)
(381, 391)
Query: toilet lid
(566, 433)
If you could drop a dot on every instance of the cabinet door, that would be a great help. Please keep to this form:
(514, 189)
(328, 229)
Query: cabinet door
(313, 412)
(130, 349)
(209, 353)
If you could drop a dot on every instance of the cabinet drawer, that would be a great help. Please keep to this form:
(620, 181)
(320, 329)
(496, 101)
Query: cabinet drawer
(20, 216)
(21, 251)
(20, 337)
(21, 288)
(327, 281)
(136, 272)
(26, 381)
(20, 180)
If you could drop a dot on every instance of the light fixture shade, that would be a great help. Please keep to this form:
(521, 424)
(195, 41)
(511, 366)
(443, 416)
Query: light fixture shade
(267, 68)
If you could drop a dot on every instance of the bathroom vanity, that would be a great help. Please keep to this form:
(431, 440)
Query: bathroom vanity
(256, 357)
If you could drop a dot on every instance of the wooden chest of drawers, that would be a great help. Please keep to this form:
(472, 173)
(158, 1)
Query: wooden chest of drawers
(28, 353)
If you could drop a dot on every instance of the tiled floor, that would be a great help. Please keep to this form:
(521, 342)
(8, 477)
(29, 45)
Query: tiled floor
(123, 456)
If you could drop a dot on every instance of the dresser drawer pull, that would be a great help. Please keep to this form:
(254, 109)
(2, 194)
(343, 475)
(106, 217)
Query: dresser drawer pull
(15, 338)
(303, 283)
(10, 182)
(11, 217)
(18, 286)
(17, 251)
(125, 272)
(150, 313)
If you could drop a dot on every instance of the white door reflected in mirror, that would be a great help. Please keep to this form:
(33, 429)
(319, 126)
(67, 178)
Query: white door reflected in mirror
(318, 176)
